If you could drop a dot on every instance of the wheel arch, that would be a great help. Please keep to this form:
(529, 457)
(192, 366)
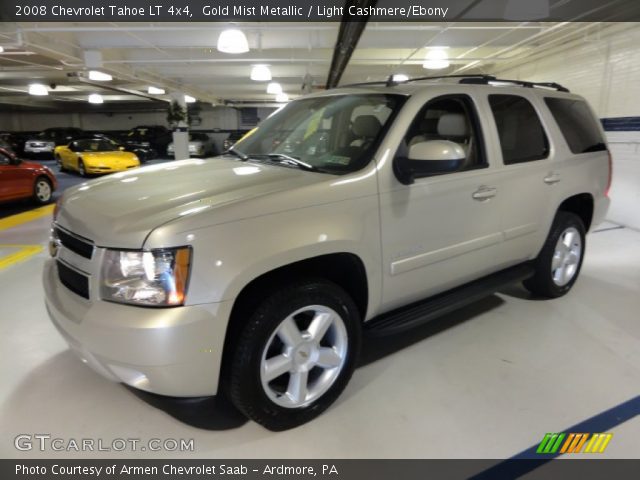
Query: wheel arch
(581, 205)
(344, 269)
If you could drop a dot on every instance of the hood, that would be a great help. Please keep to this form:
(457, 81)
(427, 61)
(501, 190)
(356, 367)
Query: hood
(120, 210)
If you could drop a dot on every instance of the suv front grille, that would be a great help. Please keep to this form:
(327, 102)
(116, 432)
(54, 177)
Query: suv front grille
(74, 281)
(84, 248)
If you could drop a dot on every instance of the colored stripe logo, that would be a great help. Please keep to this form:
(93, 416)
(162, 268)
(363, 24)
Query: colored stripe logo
(562, 443)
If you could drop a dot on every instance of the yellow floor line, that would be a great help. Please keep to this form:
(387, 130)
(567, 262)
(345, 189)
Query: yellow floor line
(20, 218)
(25, 252)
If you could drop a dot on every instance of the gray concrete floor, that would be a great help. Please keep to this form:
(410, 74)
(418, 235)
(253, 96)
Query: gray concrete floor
(485, 382)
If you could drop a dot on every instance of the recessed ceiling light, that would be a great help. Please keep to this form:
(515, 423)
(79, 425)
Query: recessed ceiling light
(97, 76)
(274, 88)
(282, 97)
(233, 40)
(260, 73)
(400, 77)
(96, 98)
(155, 91)
(436, 59)
(1, 49)
(189, 99)
(38, 89)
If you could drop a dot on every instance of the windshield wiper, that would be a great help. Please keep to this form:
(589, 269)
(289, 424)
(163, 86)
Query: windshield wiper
(238, 154)
(292, 161)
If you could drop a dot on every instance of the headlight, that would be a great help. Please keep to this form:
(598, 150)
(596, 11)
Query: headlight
(155, 278)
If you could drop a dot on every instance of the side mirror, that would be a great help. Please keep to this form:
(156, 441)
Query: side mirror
(433, 157)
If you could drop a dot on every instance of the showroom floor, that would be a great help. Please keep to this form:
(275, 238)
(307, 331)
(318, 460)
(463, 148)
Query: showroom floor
(485, 382)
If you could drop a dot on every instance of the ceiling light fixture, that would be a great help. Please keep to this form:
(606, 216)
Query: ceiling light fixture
(282, 98)
(189, 99)
(38, 89)
(400, 77)
(96, 98)
(97, 76)
(274, 88)
(233, 40)
(1, 49)
(261, 73)
(155, 91)
(436, 59)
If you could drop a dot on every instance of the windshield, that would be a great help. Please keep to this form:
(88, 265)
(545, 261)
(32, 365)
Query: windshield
(94, 146)
(334, 134)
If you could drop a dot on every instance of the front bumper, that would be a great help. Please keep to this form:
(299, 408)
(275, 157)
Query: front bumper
(168, 351)
(96, 170)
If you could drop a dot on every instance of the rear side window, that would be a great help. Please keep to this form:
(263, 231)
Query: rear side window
(522, 137)
(576, 122)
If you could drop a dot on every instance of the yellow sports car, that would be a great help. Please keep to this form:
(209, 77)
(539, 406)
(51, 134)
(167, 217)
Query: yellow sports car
(94, 156)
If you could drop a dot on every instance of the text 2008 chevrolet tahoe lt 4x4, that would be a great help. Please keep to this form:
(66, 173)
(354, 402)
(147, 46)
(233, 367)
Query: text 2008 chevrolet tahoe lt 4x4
(366, 208)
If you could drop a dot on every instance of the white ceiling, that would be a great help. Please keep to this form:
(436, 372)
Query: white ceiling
(183, 57)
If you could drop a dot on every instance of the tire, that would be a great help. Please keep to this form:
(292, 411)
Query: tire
(59, 163)
(42, 191)
(277, 334)
(81, 170)
(558, 264)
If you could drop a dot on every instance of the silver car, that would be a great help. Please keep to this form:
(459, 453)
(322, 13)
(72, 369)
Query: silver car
(368, 209)
(200, 145)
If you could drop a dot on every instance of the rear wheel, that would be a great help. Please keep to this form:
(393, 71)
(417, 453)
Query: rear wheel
(42, 191)
(558, 264)
(295, 355)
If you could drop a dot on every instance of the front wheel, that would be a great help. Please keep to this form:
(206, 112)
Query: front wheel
(559, 262)
(82, 171)
(295, 355)
(42, 191)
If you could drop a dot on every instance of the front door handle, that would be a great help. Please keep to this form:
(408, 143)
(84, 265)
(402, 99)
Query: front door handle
(484, 193)
(552, 178)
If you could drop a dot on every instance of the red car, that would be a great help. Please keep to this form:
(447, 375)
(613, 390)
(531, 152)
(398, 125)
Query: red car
(20, 179)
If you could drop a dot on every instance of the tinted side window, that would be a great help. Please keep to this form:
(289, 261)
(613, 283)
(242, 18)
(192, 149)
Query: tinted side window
(522, 137)
(577, 124)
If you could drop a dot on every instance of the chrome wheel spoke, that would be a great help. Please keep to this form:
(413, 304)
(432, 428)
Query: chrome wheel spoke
(328, 358)
(569, 238)
(289, 333)
(276, 366)
(319, 325)
(297, 389)
(556, 262)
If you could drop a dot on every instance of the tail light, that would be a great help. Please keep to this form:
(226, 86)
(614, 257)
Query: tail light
(606, 190)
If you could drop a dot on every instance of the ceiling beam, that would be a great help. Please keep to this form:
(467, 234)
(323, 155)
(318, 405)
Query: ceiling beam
(348, 37)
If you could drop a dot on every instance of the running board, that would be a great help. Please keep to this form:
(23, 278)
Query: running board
(416, 314)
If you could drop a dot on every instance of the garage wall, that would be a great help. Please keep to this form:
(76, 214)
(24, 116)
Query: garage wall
(605, 69)
(223, 118)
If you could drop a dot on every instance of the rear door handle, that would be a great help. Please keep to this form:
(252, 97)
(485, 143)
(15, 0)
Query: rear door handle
(484, 193)
(552, 178)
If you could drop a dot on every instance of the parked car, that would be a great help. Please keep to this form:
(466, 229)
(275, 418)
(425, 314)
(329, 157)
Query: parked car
(94, 156)
(232, 139)
(155, 137)
(372, 208)
(24, 180)
(200, 145)
(45, 142)
(143, 153)
(13, 141)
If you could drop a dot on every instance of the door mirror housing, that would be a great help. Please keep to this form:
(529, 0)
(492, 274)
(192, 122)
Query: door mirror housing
(432, 157)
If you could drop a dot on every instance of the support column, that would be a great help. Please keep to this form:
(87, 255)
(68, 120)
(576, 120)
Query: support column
(180, 131)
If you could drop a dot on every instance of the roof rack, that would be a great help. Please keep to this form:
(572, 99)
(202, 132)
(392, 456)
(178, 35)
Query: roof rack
(469, 79)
